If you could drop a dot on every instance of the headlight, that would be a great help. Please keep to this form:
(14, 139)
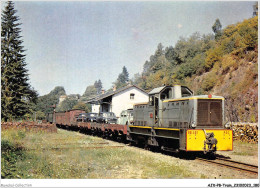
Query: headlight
(193, 125)
(227, 125)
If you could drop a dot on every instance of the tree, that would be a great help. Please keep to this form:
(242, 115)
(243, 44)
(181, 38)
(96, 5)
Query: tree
(122, 79)
(67, 104)
(217, 29)
(98, 86)
(45, 102)
(16, 92)
(81, 106)
(90, 92)
(125, 74)
(159, 50)
(255, 8)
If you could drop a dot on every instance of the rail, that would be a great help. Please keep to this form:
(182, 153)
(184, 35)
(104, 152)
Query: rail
(243, 167)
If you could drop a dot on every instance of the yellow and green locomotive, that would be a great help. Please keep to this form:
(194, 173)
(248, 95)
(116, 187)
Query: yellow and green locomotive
(175, 119)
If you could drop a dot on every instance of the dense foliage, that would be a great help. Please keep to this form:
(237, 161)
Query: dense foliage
(17, 96)
(46, 103)
(67, 104)
(203, 62)
(92, 91)
(171, 65)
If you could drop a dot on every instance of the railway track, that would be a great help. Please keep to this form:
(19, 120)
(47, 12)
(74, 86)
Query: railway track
(242, 167)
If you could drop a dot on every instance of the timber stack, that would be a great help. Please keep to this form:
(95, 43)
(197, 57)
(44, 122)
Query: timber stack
(246, 132)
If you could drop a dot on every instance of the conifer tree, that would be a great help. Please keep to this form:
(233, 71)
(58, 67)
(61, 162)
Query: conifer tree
(122, 79)
(125, 75)
(217, 29)
(99, 86)
(16, 92)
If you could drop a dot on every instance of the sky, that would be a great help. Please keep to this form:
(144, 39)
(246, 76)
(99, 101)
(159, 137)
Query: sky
(75, 43)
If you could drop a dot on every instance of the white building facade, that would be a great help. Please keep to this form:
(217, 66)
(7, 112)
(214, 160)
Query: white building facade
(126, 99)
(120, 100)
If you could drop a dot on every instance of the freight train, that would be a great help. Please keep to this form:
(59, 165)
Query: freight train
(173, 120)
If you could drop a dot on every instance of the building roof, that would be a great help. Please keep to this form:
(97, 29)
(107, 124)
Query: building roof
(111, 93)
(156, 90)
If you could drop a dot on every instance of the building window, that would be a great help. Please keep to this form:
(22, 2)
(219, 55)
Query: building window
(132, 95)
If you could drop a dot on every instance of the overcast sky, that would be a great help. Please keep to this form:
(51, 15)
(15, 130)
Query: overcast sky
(72, 44)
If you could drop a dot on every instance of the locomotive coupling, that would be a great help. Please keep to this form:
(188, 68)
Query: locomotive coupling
(210, 142)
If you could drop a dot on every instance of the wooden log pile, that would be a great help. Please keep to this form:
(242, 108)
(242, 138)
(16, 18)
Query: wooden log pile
(29, 126)
(246, 132)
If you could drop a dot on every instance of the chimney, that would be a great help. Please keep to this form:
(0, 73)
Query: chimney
(114, 88)
(102, 91)
(177, 91)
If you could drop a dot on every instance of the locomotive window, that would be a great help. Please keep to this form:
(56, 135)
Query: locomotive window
(165, 94)
(185, 92)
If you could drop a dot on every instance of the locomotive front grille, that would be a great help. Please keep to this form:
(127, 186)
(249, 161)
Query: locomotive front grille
(209, 112)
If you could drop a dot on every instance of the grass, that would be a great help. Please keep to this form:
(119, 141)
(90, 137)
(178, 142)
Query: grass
(62, 155)
(67, 155)
(244, 148)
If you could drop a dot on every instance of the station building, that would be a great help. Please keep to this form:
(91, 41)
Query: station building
(118, 100)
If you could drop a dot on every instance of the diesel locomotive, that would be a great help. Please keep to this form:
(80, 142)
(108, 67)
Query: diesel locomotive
(173, 119)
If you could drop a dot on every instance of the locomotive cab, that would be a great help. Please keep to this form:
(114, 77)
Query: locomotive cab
(158, 95)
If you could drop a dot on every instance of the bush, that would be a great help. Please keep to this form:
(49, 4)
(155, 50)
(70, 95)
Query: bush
(227, 63)
(213, 56)
(10, 154)
(209, 81)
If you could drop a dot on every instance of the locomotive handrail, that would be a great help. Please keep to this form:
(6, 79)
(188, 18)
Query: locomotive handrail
(191, 116)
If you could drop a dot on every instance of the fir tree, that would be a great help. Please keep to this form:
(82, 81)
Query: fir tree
(16, 92)
(125, 75)
(98, 86)
(217, 29)
(122, 79)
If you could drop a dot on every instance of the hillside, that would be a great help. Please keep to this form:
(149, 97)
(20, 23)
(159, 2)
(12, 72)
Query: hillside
(225, 64)
(238, 85)
(235, 74)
